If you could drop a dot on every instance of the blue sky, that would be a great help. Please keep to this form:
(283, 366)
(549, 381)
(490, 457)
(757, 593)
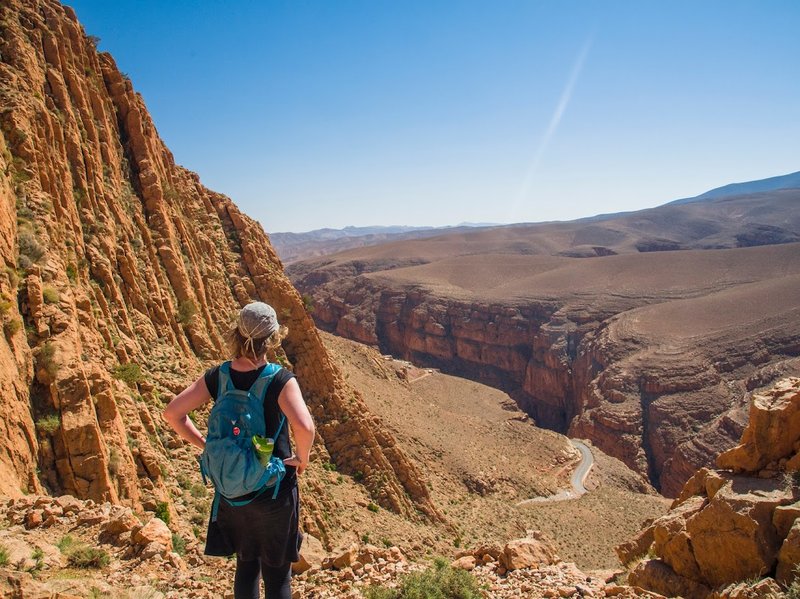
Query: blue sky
(329, 113)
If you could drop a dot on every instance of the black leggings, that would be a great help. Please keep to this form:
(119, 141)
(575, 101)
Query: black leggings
(277, 581)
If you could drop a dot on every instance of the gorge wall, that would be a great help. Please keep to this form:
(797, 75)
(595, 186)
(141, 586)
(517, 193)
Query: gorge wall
(121, 273)
(651, 356)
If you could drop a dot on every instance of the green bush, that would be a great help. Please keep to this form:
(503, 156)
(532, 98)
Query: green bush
(308, 303)
(72, 272)
(29, 247)
(373, 507)
(162, 511)
(198, 490)
(130, 373)
(186, 310)
(47, 359)
(178, 544)
(440, 581)
(3, 555)
(12, 327)
(49, 424)
(50, 295)
(88, 557)
(65, 543)
(37, 555)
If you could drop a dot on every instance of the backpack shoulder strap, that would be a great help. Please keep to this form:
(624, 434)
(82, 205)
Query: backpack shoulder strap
(225, 382)
(259, 388)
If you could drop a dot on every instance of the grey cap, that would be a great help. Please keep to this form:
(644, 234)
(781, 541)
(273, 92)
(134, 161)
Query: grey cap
(257, 320)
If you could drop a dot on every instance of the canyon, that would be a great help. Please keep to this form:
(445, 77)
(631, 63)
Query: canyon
(642, 332)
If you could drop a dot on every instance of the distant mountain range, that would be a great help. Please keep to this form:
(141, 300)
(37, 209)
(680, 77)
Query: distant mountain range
(790, 181)
(294, 247)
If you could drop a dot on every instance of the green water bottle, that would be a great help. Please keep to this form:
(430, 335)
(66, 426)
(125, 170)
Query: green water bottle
(263, 447)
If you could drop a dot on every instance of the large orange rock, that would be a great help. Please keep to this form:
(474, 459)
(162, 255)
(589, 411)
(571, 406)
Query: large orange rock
(672, 541)
(789, 557)
(773, 432)
(528, 553)
(733, 537)
(726, 528)
(637, 547)
(655, 575)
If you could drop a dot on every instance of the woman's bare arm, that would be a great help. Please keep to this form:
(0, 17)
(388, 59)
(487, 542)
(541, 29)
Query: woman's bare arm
(294, 407)
(177, 412)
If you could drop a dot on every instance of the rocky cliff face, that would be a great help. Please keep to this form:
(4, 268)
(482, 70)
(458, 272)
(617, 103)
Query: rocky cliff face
(641, 363)
(121, 273)
(737, 523)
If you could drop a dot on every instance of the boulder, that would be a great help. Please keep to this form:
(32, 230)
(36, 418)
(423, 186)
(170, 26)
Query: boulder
(733, 538)
(784, 517)
(528, 553)
(344, 558)
(671, 540)
(125, 521)
(468, 562)
(656, 575)
(773, 430)
(789, 557)
(311, 555)
(763, 589)
(636, 547)
(154, 538)
(705, 482)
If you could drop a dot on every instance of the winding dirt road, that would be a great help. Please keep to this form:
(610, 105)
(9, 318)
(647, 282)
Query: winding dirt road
(577, 479)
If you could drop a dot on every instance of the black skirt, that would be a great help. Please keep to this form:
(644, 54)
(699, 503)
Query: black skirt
(265, 529)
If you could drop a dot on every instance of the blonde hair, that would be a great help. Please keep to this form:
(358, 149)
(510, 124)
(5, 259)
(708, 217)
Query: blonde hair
(241, 346)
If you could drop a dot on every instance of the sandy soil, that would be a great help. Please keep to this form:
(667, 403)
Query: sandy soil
(482, 455)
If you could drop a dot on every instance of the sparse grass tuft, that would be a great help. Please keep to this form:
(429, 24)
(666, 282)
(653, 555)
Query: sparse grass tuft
(186, 310)
(3, 555)
(49, 424)
(50, 295)
(29, 247)
(439, 581)
(162, 511)
(47, 359)
(130, 373)
(12, 327)
(793, 592)
(88, 557)
(66, 543)
(178, 544)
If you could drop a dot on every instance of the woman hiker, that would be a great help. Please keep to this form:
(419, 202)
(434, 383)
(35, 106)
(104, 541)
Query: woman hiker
(262, 530)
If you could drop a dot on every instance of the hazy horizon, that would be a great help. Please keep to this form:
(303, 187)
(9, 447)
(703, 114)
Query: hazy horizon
(316, 114)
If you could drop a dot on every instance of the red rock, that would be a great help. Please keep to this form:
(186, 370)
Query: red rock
(789, 557)
(528, 553)
(773, 430)
(657, 576)
(467, 562)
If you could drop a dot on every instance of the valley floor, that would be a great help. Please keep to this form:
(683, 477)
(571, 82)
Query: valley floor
(481, 456)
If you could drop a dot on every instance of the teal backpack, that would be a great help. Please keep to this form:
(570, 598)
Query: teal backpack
(229, 458)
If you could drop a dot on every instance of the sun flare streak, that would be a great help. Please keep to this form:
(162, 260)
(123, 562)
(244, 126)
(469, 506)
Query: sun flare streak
(552, 127)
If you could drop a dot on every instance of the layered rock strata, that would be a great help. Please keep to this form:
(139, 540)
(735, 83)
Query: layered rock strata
(738, 523)
(121, 275)
(643, 354)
